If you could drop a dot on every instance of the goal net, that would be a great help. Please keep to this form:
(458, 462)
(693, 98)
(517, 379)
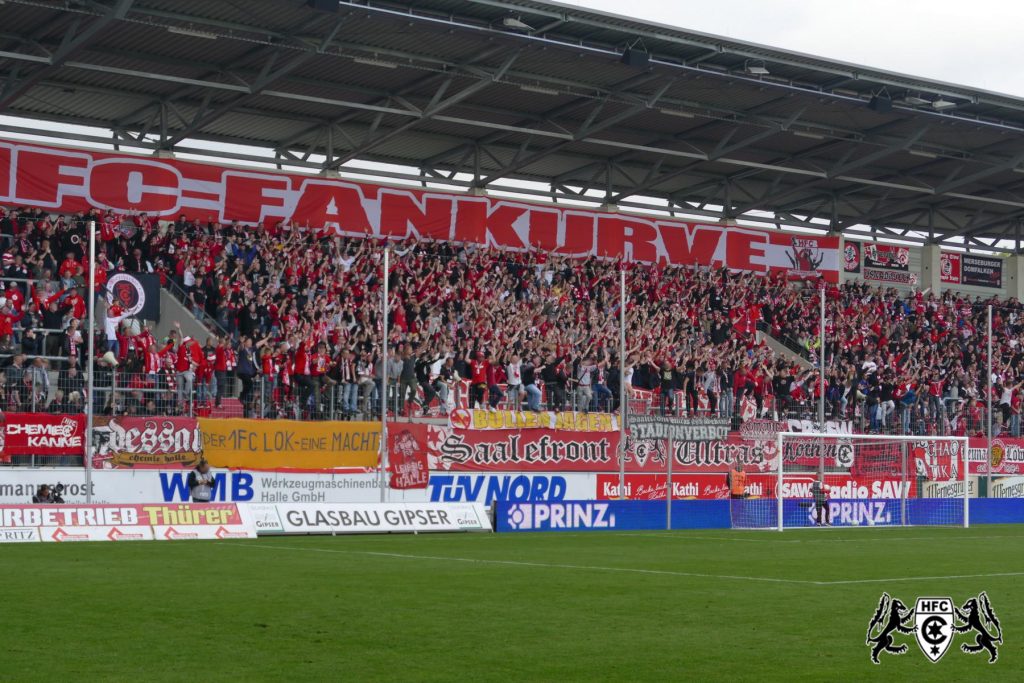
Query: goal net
(857, 480)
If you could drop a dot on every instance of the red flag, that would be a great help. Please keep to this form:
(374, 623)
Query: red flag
(407, 461)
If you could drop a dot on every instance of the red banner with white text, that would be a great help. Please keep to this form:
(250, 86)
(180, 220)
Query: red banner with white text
(71, 180)
(713, 486)
(43, 434)
(556, 450)
(407, 458)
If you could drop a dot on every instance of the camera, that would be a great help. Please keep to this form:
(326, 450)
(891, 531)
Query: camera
(55, 496)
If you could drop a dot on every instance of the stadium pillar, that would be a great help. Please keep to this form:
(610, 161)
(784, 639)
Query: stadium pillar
(988, 410)
(931, 275)
(1015, 277)
(91, 364)
(623, 404)
(384, 382)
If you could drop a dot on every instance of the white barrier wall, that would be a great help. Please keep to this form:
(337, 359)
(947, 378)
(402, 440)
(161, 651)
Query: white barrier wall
(146, 486)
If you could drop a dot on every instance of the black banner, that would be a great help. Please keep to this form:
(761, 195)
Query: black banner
(981, 271)
(137, 293)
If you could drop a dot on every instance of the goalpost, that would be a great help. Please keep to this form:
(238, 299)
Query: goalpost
(812, 479)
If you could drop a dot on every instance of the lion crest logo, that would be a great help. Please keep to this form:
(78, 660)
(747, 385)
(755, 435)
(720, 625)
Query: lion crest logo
(935, 622)
(979, 617)
(892, 616)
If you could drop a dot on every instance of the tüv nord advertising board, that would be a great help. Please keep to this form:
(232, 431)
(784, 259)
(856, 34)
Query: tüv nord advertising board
(147, 485)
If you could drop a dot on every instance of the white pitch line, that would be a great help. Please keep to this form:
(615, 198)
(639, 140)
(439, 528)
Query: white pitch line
(628, 570)
(514, 563)
(681, 537)
(920, 578)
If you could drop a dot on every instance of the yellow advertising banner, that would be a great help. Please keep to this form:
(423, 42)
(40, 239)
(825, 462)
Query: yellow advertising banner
(268, 444)
(509, 419)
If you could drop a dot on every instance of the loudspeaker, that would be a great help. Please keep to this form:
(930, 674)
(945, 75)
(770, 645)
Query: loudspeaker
(880, 103)
(635, 58)
(323, 5)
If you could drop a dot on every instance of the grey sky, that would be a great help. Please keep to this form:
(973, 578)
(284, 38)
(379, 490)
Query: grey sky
(971, 43)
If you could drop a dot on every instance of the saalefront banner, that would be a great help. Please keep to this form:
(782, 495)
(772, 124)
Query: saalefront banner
(69, 180)
(554, 450)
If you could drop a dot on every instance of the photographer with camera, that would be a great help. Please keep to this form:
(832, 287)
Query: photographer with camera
(48, 496)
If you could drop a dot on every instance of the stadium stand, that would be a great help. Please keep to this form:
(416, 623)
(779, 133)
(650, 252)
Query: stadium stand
(298, 332)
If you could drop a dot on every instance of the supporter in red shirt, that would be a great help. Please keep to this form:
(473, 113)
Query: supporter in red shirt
(478, 380)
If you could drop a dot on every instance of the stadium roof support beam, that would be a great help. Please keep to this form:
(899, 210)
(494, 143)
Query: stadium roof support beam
(435, 107)
(899, 146)
(1012, 163)
(72, 42)
(620, 89)
(719, 152)
(266, 77)
(589, 127)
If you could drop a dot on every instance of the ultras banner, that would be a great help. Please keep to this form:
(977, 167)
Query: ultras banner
(72, 180)
(551, 450)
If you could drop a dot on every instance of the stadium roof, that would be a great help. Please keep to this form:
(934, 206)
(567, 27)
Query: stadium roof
(477, 93)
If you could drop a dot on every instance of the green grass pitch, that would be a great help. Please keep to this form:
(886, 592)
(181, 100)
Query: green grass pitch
(661, 606)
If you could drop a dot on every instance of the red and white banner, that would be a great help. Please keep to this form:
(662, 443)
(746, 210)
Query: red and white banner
(407, 459)
(713, 486)
(949, 267)
(1006, 457)
(70, 180)
(551, 450)
(157, 514)
(66, 523)
(141, 442)
(684, 486)
(43, 434)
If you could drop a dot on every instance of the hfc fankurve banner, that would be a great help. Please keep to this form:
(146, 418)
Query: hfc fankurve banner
(70, 180)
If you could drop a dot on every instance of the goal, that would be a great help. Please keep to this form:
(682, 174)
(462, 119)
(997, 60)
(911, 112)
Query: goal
(858, 480)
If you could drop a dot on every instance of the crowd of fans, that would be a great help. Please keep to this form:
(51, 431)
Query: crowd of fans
(300, 332)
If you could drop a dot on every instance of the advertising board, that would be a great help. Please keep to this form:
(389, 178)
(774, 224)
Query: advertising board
(357, 518)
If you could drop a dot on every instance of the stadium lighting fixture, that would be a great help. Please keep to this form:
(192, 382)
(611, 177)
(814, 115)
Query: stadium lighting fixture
(942, 103)
(539, 89)
(913, 100)
(194, 33)
(516, 24)
(677, 112)
(370, 61)
(756, 67)
(809, 135)
(923, 153)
